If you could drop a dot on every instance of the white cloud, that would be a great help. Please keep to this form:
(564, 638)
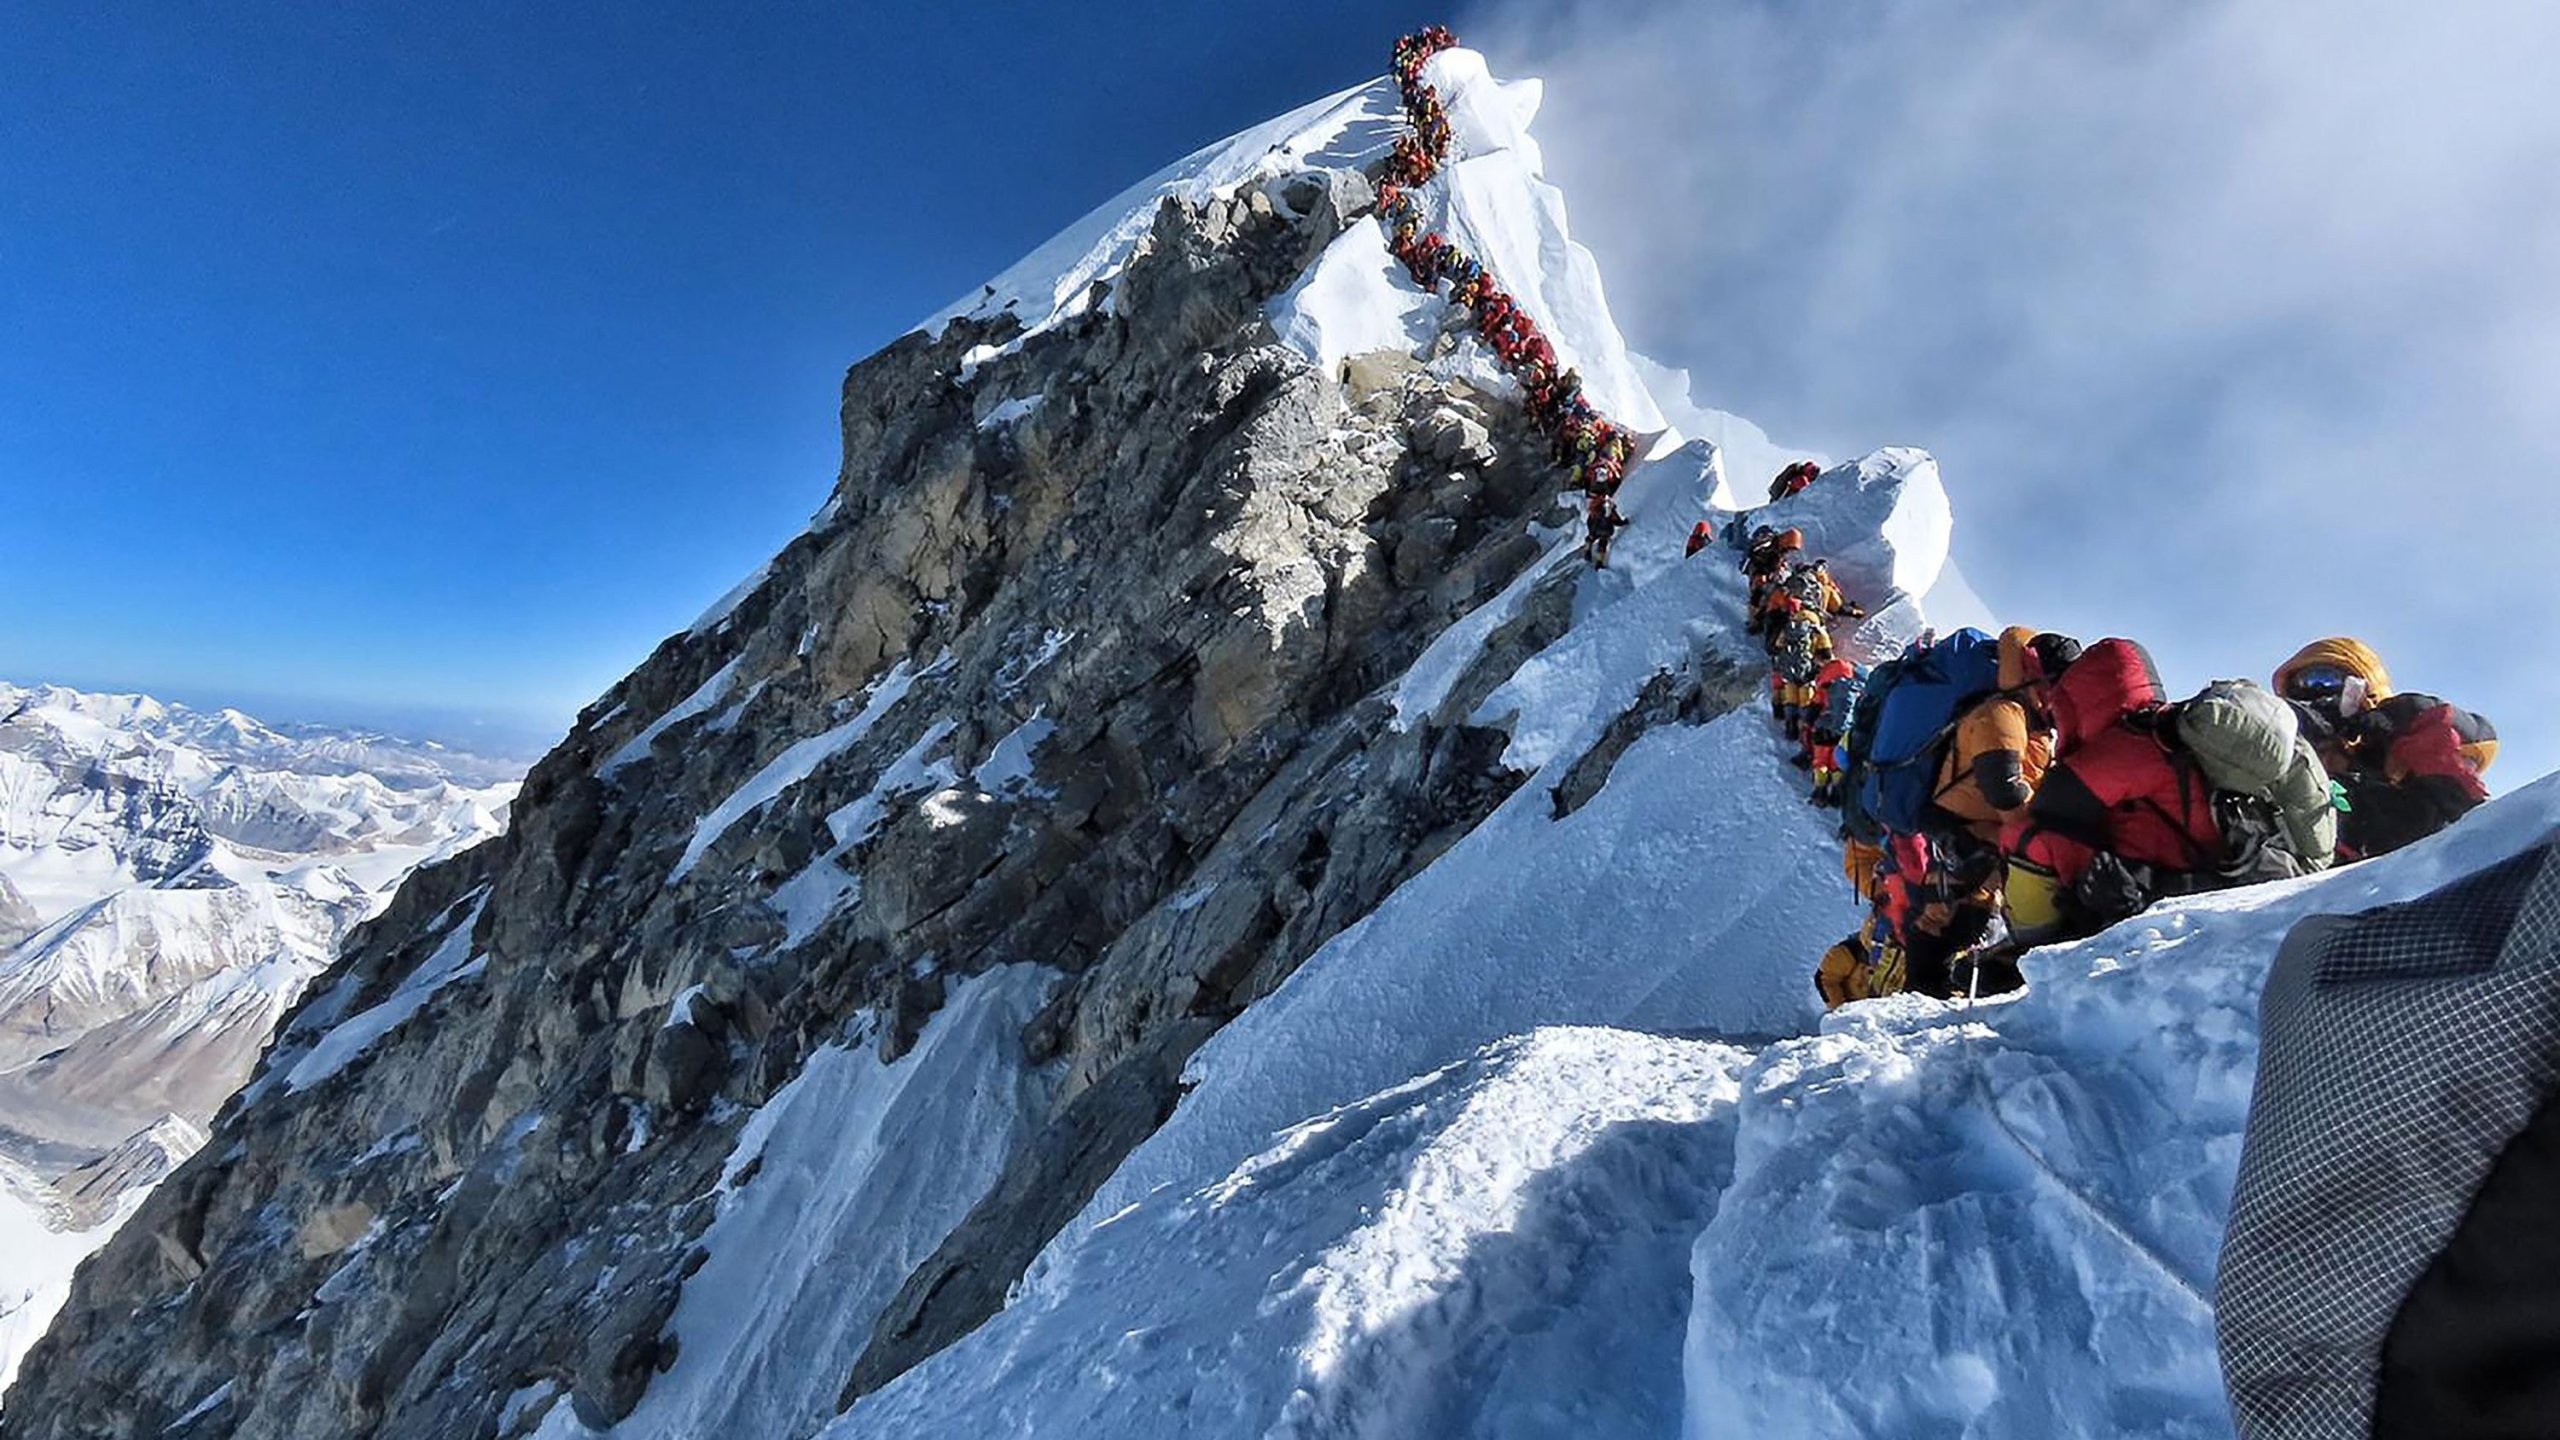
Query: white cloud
(2234, 323)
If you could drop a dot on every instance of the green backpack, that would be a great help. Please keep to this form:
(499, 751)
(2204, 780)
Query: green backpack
(2248, 742)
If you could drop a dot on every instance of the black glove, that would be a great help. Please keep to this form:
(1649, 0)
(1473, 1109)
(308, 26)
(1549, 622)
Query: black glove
(2113, 888)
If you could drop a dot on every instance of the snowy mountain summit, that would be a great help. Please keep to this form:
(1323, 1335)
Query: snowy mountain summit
(1181, 906)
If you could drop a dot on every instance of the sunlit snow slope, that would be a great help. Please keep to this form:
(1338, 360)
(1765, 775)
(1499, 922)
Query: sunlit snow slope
(1554, 1141)
(1457, 1175)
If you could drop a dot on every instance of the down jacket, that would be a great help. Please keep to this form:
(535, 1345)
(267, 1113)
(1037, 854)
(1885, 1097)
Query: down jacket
(2415, 766)
(2409, 764)
(2001, 748)
(2116, 786)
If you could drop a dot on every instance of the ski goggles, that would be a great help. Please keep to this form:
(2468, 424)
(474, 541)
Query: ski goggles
(2316, 682)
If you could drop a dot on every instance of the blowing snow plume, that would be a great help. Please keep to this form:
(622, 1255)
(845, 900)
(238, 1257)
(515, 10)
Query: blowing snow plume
(2247, 291)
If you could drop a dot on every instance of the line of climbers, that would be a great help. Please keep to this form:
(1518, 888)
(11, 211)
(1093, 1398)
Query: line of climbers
(1998, 793)
(1594, 449)
(1995, 793)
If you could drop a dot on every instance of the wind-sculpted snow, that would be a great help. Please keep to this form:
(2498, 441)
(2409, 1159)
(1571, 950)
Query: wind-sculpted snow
(1356, 300)
(1492, 1248)
(1169, 561)
(1181, 907)
(1926, 1219)
(1057, 281)
(1887, 516)
(2011, 1213)
(1884, 524)
(1493, 201)
(1687, 896)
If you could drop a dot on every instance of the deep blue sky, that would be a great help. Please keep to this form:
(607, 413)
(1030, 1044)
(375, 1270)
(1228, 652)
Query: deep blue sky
(356, 359)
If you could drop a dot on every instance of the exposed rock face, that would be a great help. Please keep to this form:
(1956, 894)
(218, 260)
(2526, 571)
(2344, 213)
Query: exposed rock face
(1088, 683)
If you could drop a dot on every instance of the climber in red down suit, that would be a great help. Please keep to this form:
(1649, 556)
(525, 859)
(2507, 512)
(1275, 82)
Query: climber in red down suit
(2116, 798)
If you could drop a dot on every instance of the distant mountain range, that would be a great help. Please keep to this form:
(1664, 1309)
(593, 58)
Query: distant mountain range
(170, 879)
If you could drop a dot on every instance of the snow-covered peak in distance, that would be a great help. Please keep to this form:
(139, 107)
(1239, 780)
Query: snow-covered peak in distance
(99, 792)
(170, 879)
(102, 725)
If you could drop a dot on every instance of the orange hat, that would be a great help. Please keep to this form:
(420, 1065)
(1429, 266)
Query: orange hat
(2017, 656)
(2353, 656)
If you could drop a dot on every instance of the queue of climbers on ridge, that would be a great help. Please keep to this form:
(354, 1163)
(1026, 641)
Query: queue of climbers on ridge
(1594, 450)
(1995, 793)
(2001, 792)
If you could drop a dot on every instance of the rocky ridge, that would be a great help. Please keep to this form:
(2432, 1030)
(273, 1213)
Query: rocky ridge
(1167, 585)
(1098, 664)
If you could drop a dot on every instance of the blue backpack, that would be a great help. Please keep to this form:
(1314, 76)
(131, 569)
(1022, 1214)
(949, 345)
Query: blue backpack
(1857, 820)
(1910, 709)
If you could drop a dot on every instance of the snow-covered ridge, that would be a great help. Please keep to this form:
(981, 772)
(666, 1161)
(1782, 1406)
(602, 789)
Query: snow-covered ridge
(1058, 281)
(2004, 1217)
(1396, 1200)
